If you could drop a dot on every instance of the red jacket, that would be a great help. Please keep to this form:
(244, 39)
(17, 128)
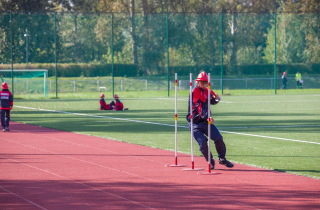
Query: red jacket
(103, 105)
(119, 105)
(6, 100)
(200, 104)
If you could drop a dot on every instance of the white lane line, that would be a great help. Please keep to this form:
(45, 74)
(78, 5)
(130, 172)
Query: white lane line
(22, 197)
(86, 185)
(114, 169)
(153, 123)
(35, 130)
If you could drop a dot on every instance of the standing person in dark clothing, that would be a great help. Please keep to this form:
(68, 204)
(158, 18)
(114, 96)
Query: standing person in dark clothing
(284, 80)
(6, 104)
(200, 115)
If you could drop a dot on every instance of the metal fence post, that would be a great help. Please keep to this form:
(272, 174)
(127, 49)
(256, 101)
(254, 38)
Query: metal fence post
(55, 52)
(11, 53)
(275, 53)
(246, 83)
(74, 86)
(221, 53)
(167, 26)
(112, 64)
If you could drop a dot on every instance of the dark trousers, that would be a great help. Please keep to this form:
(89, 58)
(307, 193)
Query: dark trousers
(200, 133)
(284, 85)
(112, 104)
(299, 85)
(5, 118)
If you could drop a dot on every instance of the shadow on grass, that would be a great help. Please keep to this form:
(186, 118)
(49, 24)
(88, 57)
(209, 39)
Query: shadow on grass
(102, 121)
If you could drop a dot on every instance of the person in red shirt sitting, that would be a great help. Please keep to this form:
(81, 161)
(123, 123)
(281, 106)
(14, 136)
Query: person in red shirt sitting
(119, 105)
(103, 105)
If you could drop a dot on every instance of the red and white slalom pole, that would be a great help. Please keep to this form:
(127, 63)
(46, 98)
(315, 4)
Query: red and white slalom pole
(176, 125)
(191, 129)
(191, 117)
(176, 117)
(209, 125)
(209, 131)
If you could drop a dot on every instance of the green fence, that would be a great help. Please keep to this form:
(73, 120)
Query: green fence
(241, 51)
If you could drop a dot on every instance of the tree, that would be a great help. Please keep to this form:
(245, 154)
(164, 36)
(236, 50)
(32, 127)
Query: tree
(26, 5)
(290, 40)
(310, 25)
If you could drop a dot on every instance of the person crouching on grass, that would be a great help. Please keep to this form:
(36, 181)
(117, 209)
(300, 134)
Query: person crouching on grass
(103, 105)
(6, 103)
(200, 117)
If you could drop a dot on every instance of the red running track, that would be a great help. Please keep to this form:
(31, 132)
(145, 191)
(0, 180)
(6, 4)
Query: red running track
(43, 168)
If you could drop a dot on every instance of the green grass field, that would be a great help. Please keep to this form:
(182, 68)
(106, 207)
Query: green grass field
(148, 94)
(247, 122)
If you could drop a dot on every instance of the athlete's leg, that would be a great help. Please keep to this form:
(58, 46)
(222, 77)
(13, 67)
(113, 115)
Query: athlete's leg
(201, 139)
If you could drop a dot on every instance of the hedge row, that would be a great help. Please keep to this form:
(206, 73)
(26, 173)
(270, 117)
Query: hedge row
(131, 70)
(258, 69)
(85, 70)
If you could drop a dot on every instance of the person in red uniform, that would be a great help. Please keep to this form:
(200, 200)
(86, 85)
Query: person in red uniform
(119, 105)
(103, 105)
(200, 115)
(6, 103)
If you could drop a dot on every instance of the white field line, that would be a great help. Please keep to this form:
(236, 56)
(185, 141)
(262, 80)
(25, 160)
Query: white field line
(230, 102)
(154, 123)
(270, 137)
(273, 126)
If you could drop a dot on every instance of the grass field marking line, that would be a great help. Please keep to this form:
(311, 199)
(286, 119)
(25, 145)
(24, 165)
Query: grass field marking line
(272, 126)
(86, 185)
(47, 171)
(166, 124)
(270, 137)
(22, 197)
(187, 100)
(115, 118)
(294, 101)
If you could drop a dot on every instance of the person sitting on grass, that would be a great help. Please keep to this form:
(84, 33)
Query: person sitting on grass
(6, 103)
(103, 105)
(119, 105)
